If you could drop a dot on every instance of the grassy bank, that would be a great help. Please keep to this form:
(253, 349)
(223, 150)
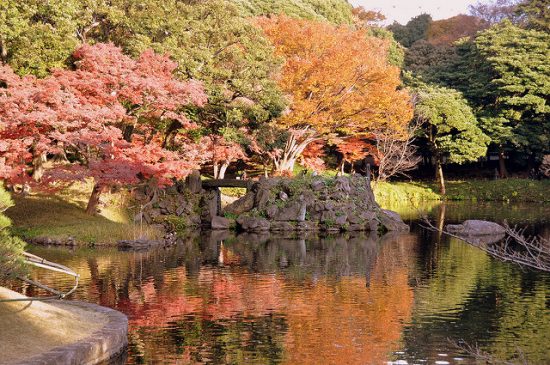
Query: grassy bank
(62, 217)
(506, 190)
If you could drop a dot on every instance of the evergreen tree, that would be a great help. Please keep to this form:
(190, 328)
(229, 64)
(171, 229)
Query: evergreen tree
(450, 128)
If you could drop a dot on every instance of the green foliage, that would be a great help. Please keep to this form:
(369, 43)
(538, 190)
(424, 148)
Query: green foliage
(334, 11)
(504, 73)
(11, 248)
(396, 53)
(37, 36)
(450, 127)
(505, 190)
(416, 29)
(537, 14)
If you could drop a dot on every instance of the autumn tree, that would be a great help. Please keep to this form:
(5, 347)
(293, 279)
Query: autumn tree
(353, 149)
(79, 121)
(450, 128)
(446, 31)
(338, 80)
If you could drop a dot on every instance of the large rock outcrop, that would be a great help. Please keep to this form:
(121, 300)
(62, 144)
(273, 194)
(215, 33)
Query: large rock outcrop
(276, 204)
(313, 203)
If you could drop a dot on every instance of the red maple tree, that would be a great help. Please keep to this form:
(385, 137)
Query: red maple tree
(110, 118)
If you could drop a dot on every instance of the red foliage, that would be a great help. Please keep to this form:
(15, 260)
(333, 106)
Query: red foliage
(312, 157)
(82, 114)
(354, 149)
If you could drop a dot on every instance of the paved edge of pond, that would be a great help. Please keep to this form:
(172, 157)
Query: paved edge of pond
(102, 345)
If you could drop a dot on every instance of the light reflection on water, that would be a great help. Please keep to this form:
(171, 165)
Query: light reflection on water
(348, 299)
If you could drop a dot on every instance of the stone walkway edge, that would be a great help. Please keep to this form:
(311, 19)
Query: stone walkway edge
(102, 345)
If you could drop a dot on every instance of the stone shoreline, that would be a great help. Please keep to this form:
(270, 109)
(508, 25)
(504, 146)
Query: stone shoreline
(110, 342)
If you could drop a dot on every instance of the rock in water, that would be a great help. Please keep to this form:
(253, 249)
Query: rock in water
(476, 228)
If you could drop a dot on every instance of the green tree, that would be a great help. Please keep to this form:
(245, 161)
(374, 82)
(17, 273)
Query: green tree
(504, 73)
(36, 36)
(450, 128)
(537, 14)
(333, 11)
(416, 29)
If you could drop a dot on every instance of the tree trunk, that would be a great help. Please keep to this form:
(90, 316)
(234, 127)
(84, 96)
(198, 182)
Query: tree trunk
(439, 176)
(502, 164)
(38, 167)
(216, 170)
(93, 202)
(293, 149)
(223, 168)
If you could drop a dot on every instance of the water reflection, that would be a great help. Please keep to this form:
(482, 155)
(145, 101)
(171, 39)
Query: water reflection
(354, 299)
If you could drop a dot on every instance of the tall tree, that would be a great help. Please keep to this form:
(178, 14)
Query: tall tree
(415, 30)
(449, 127)
(338, 80)
(333, 11)
(81, 117)
(504, 73)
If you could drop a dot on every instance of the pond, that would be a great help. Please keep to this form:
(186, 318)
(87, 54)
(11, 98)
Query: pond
(348, 299)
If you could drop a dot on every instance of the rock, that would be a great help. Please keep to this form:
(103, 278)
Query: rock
(262, 198)
(194, 182)
(317, 185)
(251, 224)
(282, 226)
(476, 228)
(295, 211)
(342, 184)
(243, 205)
(221, 223)
(341, 219)
(392, 221)
(272, 211)
(356, 227)
(307, 226)
(209, 206)
(283, 196)
(139, 244)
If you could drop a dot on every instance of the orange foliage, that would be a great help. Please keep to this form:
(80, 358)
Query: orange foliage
(446, 31)
(355, 149)
(337, 79)
(345, 322)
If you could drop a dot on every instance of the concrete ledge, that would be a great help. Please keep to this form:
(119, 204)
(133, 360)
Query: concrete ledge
(104, 344)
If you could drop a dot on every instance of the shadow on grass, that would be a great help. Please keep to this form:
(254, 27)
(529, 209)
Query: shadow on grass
(55, 218)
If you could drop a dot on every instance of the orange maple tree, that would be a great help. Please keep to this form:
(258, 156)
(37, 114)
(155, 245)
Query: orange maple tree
(338, 81)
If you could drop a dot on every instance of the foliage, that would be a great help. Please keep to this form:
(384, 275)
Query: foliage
(37, 36)
(416, 29)
(505, 190)
(338, 80)
(333, 11)
(446, 31)
(495, 11)
(504, 73)
(450, 126)
(536, 14)
(106, 119)
(11, 248)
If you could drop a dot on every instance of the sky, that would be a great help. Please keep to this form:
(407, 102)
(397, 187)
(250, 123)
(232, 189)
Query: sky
(404, 10)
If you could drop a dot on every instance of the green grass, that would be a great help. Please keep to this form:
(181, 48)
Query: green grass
(505, 190)
(59, 217)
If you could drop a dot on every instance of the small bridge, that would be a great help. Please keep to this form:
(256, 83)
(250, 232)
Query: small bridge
(216, 184)
(227, 183)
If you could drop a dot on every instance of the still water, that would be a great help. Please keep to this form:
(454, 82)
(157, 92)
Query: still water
(347, 299)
